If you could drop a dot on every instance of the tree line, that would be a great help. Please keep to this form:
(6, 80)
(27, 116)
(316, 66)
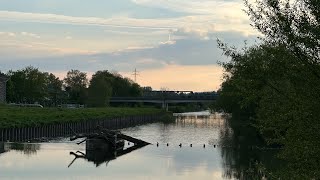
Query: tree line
(275, 85)
(30, 85)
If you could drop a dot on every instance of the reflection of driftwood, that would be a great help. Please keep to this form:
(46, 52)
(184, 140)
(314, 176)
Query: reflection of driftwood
(105, 145)
(99, 156)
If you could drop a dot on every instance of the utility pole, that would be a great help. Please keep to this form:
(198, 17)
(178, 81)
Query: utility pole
(135, 73)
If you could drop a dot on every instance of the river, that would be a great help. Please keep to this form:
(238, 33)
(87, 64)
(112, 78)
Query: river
(213, 155)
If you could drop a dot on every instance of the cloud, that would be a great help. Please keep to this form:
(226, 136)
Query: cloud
(195, 6)
(191, 58)
(201, 24)
(30, 35)
(124, 22)
(8, 34)
(192, 51)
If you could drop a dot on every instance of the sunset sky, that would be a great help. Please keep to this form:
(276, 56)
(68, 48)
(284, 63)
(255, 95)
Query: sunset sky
(172, 43)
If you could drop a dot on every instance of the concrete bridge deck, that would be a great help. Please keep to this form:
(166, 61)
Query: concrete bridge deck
(166, 100)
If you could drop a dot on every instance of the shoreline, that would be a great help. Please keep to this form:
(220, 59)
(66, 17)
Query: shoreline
(23, 117)
(45, 132)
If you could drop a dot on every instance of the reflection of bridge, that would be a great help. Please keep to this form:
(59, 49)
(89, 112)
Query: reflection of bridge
(167, 97)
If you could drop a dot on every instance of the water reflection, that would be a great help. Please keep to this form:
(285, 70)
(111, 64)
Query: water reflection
(246, 156)
(229, 154)
(103, 156)
(25, 148)
(2, 147)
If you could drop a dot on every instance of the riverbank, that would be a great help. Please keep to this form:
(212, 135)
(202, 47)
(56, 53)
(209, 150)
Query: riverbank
(13, 117)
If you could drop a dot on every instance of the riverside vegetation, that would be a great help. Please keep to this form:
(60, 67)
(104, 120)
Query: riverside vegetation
(30, 85)
(274, 85)
(11, 117)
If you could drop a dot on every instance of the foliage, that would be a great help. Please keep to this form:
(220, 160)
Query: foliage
(124, 87)
(279, 97)
(293, 23)
(75, 84)
(276, 84)
(55, 93)
(28, 85)
(99, 90)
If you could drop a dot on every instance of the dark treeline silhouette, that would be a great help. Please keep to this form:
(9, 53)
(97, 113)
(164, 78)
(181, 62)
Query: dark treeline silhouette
(30, 85)
(274, 85)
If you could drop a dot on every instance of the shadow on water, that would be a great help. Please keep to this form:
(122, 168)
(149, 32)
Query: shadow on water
(245, 155)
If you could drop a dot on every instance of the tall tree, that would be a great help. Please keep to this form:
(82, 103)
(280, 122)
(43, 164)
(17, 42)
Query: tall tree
(100, 89)
(293, 23)
(54, 88)
(76, 84)
(27, 85)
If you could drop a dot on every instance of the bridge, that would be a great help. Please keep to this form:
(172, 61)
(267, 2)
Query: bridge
(168, 97)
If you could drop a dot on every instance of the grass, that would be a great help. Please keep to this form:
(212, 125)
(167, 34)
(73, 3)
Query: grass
(11, 117)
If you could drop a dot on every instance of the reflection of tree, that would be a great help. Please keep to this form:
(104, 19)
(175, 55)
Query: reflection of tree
(2, 147)
(242, 159)
(28, 149)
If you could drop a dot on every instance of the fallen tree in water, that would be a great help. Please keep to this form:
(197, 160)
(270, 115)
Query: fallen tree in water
(105, 145)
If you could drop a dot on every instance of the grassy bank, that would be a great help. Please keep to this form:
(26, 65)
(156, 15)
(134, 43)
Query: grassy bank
(23, 117)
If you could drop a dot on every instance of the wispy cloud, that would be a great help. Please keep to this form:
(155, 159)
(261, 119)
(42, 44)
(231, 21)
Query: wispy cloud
(198, 24)
(196, 6)
(10, 34)
(30, 35)
(124, 22)
(68, 37)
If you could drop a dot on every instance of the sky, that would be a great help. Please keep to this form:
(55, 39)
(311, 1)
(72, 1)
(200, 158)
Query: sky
(171, 43)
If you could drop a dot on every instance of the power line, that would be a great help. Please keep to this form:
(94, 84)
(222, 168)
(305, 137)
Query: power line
(135, 73)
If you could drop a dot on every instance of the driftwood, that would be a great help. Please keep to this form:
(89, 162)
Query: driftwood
(105, 145)
(109, 136)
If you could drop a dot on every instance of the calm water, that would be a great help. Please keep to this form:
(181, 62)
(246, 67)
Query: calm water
(221, 158)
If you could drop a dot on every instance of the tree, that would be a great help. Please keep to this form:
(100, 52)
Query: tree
(54, 86)
(100, 89)
(293, 23)
(27, 85)
(279, 95)
(76, 84)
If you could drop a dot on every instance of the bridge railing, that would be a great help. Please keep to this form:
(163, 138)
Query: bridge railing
(187, 97)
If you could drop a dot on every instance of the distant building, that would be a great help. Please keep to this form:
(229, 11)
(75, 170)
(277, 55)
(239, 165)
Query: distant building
(3, 87)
